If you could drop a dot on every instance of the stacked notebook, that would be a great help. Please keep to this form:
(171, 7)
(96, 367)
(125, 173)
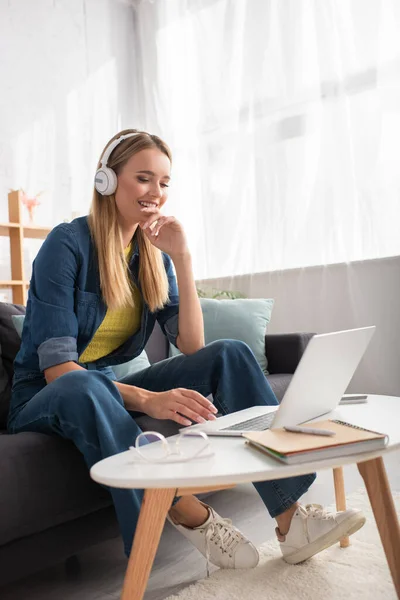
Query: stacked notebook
(295, 448)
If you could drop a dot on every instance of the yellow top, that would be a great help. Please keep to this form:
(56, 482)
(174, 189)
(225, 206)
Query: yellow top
(117, 326)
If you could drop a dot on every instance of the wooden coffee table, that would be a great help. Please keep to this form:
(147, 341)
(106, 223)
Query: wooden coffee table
(234, 462)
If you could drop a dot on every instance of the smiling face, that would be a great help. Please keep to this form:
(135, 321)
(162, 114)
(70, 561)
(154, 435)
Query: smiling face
(142, 181)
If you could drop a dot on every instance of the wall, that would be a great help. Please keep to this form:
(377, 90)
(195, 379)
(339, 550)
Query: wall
(67, 72)
(336, 297)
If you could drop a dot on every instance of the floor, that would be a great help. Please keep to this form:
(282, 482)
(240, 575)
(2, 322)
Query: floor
(98, 573)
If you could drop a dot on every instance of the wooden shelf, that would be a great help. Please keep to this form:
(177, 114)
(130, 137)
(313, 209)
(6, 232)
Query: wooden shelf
(5, 228)
(32, 231)
(28, 231)
(17, 232)
(12, 283)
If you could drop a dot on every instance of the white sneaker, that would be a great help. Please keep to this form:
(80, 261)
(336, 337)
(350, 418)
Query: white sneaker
(220, 542)
(313, 529)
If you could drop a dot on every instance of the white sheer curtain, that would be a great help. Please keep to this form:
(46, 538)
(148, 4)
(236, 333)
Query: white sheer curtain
(67, 70)
(284, 121)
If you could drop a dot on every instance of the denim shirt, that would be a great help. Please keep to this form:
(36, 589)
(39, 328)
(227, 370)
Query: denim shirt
(65, 306)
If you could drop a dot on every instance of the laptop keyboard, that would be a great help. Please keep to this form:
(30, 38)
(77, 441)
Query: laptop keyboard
(256, 424)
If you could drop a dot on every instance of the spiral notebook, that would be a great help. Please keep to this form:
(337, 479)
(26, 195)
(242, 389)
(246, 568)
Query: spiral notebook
(295, 448)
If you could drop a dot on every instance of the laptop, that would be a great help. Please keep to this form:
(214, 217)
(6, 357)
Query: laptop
(316, 388)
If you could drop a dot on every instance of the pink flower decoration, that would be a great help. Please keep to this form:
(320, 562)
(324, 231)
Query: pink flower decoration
(30, 202)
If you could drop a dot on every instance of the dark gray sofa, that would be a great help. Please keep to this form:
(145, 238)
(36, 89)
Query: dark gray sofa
(50, 509)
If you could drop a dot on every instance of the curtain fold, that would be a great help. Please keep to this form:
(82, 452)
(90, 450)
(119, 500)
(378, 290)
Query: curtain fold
(284, 121)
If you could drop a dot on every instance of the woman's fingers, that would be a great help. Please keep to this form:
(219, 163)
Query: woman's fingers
(193, 405)
(156, 229)
(158, 219)
(194, 410)
(160, 223)
(153, 214)
(147, 225)
(199, 398)
(180, 405)
(174, 416)
(191, 412)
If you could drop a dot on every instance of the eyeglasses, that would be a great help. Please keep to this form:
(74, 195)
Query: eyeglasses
(153, 447)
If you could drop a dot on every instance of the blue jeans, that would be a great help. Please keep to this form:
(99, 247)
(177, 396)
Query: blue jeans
(87, 408)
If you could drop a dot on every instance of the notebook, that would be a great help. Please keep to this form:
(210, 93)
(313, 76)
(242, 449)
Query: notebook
(295, 448)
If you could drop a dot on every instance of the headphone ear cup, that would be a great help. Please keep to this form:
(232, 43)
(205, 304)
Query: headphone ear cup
(105, 181)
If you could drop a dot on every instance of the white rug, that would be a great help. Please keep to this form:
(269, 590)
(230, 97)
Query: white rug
(357, 572)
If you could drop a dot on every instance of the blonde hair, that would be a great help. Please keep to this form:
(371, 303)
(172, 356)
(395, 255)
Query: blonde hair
(115, 283)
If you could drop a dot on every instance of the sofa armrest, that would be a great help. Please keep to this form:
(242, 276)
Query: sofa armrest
(285, 350)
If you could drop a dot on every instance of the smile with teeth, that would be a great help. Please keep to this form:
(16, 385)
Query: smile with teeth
(147, 204)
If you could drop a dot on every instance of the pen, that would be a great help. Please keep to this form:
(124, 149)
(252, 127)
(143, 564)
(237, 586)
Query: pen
(354, 399)
(297, 429)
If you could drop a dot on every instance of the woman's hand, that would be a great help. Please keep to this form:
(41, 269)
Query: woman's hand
(165, 233)
(179, 405)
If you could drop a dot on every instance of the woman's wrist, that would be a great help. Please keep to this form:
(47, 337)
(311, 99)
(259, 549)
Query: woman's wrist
(181, 257)
(135, 398)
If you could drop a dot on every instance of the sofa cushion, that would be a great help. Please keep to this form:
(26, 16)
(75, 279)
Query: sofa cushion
(243, 319)
(157, 345)
(5, 391)
(9, 344)
(44, 482)
(165, 426)
(279, 384)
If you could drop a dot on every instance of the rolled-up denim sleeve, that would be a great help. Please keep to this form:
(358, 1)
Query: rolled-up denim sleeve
(51, 300)
(167, 317)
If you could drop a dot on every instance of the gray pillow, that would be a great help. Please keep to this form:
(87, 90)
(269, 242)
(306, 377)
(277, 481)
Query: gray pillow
(133, 366)
(243, 319)
(18, 322)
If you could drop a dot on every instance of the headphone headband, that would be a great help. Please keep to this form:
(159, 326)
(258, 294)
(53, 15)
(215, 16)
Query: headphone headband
(114, 144)
(105, 180)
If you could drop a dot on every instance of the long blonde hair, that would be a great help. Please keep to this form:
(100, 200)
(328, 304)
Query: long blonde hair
(115, 283)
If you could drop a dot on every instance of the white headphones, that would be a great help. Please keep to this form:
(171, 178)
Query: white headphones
(105, 180)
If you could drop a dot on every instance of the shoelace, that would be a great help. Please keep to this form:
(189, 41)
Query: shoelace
(309, 510)
(228, 537)
(318, 511)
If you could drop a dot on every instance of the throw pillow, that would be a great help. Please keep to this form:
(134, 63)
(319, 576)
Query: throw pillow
(18, 322)
(133, 366)
(241, 319)
(10, 343)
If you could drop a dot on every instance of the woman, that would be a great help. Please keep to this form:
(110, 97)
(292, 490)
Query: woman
(98, 285)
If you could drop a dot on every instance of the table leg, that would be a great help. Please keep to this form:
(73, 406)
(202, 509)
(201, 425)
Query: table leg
(340, 495)
(155, 506)
(374, 474)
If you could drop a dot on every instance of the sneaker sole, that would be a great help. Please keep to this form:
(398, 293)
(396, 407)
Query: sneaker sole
(345, 528)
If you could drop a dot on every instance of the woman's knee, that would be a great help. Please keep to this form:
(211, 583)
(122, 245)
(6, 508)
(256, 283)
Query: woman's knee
(81, 387)
(232, 347)
(73, 378)
(83, 379)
